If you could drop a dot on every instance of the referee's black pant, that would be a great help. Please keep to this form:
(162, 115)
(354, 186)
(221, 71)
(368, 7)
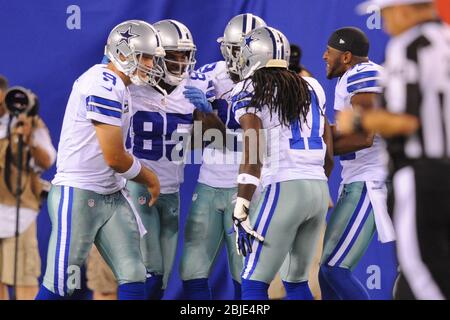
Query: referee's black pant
(422, 224)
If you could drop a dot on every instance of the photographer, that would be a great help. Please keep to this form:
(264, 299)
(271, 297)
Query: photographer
(38, 155)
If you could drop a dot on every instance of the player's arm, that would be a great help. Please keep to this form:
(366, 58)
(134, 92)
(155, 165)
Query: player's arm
(251, 162)
(204, 112)
(210, 121)
(329, 155)
(116, 157)
(387, 124)
(248, 179)
(359, 140)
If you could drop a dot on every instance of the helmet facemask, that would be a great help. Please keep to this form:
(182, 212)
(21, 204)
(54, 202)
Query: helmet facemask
(231, 54)
(177, 65)
(146, 69)
(233, 34)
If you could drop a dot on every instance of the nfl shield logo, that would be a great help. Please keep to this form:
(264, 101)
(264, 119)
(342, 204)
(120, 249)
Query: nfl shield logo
(142, 200)
(91, 203)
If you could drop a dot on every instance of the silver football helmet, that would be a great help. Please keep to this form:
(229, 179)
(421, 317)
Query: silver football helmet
(235, 31)
(263, 48)
(176, 38)
(129, 44)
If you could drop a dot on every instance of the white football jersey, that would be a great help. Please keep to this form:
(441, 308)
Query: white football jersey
(100, 95)
(220, 169)
(161, 127)
(293, 152)
(369, 164)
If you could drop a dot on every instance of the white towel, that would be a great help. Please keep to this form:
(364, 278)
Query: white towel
(142, 230)
(377, 192)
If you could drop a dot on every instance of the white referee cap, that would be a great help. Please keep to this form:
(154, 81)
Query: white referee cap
(381, 4)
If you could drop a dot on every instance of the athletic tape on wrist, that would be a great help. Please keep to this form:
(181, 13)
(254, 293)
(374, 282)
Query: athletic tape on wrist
(133, 171)
(245, 178)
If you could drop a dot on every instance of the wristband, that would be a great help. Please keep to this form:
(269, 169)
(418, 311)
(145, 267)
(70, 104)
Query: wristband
(245, 178)
(133, 171)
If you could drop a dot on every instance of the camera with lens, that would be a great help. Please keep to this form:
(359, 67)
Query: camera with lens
(20, 100)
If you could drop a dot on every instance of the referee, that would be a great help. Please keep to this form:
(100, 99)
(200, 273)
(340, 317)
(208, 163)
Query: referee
(417, 94)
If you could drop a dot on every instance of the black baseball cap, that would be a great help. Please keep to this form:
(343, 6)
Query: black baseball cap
(350, 39)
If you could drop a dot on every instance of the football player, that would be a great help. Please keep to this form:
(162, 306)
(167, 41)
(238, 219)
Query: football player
(286, 141)
(210, 218)
(87, 202)
(362, 206)
(163, 117)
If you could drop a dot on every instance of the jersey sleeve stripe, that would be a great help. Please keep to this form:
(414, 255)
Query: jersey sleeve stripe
(362, 75)
(104, 101)
(241, 104)
(241, 96)
(104, 111)
(210, 94)
(363, 85)
(103, 106)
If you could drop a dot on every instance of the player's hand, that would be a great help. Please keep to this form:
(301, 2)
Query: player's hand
(244, 232)
(153, 187)
(197, 98)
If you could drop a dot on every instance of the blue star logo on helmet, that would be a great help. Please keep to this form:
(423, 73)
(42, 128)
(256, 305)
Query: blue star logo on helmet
(127, 35)
(248, 41)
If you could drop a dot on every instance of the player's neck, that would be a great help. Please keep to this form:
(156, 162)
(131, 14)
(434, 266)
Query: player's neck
(355, 61)
(126, 80)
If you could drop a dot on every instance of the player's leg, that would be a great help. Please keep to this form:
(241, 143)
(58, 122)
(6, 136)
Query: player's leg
(76, 215)
(235, 261)
(277, 222)
(100, 278)
(202, 240)
(28, 264)
(313, 279)
(169, 210)
(296, 266)
(150, 242)
(118, 241)
(349, 232)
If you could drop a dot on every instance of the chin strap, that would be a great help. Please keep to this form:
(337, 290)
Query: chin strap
(163, 91)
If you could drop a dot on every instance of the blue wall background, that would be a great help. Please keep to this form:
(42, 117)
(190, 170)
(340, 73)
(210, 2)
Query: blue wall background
(39, 51)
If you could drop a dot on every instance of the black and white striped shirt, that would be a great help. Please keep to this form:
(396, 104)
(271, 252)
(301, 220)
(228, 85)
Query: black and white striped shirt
(417, 82)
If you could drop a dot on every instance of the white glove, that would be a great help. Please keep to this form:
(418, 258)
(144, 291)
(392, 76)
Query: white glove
(244, 232)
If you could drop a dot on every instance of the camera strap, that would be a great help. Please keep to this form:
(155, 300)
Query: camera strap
(9, 161)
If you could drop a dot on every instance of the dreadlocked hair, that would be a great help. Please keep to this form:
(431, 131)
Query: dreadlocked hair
(284, 92)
